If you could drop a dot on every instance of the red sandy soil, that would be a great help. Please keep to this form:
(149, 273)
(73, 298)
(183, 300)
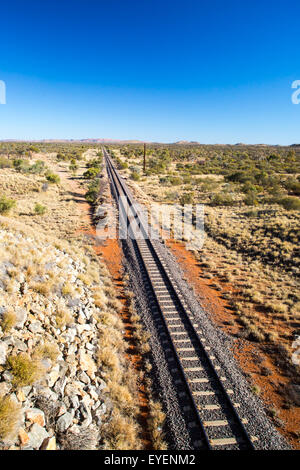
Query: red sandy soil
(251, 357)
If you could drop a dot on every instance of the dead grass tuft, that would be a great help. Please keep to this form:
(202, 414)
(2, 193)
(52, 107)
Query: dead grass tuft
(25, 369)
(8, 320)
(10, 415)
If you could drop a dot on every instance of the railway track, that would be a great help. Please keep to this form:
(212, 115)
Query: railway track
(207, 403)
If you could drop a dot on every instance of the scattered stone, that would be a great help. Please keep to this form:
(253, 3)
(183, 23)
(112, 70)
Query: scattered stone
(83, 377)
(35, 415)
(74, 402)
(23, 437)
(53, 376)
(20, 345)
(7, 376)
(36, 436)
(64, 422)
(5, 387)
(87, 364)
(21, 317)
(60, 385)
(49, 444)
(21, 395)
(35, 327)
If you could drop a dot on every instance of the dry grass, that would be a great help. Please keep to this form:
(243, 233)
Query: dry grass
(8, 320)
(63, 317)
(25, 370)
(46, 351)
(121, 433)
(10, 416)
(155, 424)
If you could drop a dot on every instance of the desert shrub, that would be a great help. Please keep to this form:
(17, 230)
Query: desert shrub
(10, 414)
(239, 177)
(37, 168)
(8, 321)
(18, 163)
(23, 166)
(6, 204)
(93, 191)
(292, 185)
(25, 370)
(223, 199)
(175, 180)
(73, 166)
(91, 173)
(95, 163)
(186, 198)
(53, 178)
(135, 176)
(123, 165)
(187, 179)
(5, 163)
(251, 199)
(62, 157)
(252, 213)
(249, 186)
(39, 209)
(290, 203)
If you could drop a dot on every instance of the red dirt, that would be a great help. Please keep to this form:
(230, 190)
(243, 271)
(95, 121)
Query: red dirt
(251, 357)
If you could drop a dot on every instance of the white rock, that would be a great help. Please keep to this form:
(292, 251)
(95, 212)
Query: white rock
(3, 352)
(64, 422)
(21, 316)
(36, 436)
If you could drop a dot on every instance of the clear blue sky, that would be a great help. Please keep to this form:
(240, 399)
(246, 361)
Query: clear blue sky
(213, 71)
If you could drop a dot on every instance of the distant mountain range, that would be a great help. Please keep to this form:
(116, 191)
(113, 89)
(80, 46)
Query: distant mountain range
(120, 141)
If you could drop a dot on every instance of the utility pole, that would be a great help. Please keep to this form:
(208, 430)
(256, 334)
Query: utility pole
(144, 157)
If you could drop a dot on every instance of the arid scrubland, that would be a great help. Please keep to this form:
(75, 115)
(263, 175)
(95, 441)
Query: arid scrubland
(65, 381)
(251, 249)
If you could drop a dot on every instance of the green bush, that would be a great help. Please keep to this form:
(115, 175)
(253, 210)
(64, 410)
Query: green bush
(93, 191)
(290, 203)
(6, 204)
(53, 178)
(91, 173)
(39, 209)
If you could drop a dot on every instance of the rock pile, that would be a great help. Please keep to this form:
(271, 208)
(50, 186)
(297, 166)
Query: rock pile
(48, 347)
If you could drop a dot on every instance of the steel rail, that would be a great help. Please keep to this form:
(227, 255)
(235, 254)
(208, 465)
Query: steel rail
(121, 190)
